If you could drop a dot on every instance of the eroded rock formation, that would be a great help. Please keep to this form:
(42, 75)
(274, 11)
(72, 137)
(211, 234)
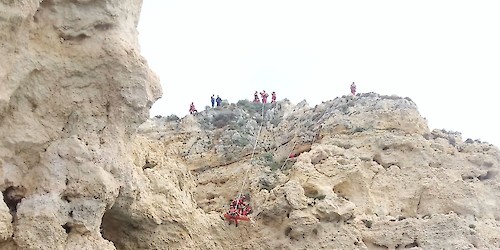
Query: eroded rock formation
(368, 174)
(73, 89)
(81, 167)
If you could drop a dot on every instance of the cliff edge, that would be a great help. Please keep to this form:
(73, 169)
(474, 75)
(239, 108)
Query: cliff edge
(367, 173)
(82, 166)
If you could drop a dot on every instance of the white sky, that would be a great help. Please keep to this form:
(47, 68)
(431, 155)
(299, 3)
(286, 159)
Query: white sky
(444, 55)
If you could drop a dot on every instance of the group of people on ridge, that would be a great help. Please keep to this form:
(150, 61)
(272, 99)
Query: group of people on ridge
(240, 208)
(264, 97)
(256, 99)
(213, 100)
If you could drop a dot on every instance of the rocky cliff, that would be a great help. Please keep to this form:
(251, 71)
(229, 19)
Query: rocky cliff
(81, 166)
(368, 174)
(73, 89)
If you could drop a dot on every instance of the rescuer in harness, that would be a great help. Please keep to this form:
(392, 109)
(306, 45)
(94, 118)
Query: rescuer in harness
(239, 209)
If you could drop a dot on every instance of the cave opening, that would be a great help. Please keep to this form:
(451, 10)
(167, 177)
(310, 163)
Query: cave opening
(12, 196)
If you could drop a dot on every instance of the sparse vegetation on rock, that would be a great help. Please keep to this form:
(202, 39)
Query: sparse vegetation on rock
(82, 166)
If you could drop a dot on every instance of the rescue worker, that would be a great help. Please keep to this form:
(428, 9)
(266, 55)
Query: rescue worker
(353, 89)
(233, 203)
(233, 213)
(264, 96)
(256, 97)
(192, 109)
(273, 97)
(239, 208)
(218, 100)
(246, 211)
(241, 204)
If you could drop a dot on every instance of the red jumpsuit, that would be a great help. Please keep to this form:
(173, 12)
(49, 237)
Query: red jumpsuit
(264, 96)
(256, 97)
(192, 109)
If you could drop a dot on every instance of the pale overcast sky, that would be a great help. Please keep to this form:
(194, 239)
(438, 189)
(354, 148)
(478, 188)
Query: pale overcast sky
(444, 55)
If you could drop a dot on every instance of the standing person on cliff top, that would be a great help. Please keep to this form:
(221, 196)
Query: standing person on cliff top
(219, 101)
(192, 108)
(256, 97)
(353, 89)
(212, 100)
(264, 96)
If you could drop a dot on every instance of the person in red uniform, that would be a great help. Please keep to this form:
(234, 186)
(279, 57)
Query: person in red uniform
(353, 89)
(264, 96)
(247, 210)
(192, 109)
(256, 97)
(239, 208)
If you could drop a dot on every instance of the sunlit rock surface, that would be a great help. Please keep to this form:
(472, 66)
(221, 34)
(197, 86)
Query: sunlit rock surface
(368, 174)
(82, 166)
(73, 90)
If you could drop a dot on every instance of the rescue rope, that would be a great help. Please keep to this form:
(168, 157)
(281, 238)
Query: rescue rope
(291, 151)
(255, 146)
(253, 151)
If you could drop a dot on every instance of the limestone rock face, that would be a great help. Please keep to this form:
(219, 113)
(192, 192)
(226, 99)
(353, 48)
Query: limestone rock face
(73, 89)
(367, 173)
(81, 166)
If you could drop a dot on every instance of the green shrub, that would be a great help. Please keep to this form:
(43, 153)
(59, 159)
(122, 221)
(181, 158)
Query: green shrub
(223, 118)
(268, 157)
(359, 130)
(229, 157)
(276, 121)
(320, 197)
(249, 107)
(172, 118)
(275, 165)
(241, 142)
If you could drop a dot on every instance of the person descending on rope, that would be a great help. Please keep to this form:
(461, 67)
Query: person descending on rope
(245, 208)
(233, 214)
(353, 89)
(241, 205)
(264, 96)
(192, 109)
(273, 97)
(239, 209)
(256, 97)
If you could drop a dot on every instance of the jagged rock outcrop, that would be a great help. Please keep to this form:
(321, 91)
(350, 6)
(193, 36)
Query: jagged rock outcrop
(81, 167)
(73, 89)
